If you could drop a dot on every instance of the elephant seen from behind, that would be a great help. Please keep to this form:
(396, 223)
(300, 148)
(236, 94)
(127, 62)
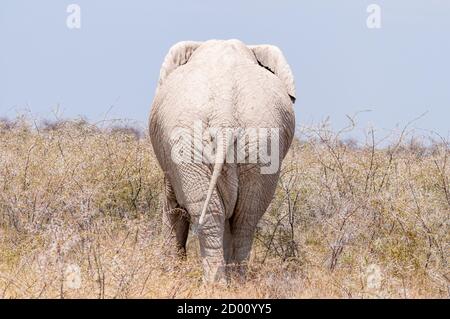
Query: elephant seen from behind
(221, 123)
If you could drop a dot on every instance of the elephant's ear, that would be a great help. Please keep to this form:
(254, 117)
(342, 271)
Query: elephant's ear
(271, 57)
(178, 55)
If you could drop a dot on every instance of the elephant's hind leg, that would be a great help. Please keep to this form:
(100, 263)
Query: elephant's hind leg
(227, 242)
(175, 224)
(255, 193)
(211, 236)
(192, 181)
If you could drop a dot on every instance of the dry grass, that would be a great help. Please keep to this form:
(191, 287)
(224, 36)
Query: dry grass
(348, 220)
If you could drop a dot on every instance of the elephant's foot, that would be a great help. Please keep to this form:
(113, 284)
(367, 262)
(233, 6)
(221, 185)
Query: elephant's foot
(214, 271)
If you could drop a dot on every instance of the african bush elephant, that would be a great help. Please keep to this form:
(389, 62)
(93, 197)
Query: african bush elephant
(218, 85)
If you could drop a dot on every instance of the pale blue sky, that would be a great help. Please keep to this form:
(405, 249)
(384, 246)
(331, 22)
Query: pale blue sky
(340, 66)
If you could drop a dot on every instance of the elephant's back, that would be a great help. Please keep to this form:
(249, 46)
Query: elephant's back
(194, 92)
(263, 101)
(244, 96)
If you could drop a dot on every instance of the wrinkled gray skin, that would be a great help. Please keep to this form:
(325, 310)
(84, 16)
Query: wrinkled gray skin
(223, 84)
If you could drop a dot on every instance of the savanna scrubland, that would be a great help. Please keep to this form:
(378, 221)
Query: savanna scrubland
(80, 217)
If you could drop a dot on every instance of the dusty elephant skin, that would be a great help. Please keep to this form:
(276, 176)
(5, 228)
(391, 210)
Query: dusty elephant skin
(223, 84)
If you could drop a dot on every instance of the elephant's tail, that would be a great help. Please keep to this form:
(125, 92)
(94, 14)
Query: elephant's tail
(218, 165)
